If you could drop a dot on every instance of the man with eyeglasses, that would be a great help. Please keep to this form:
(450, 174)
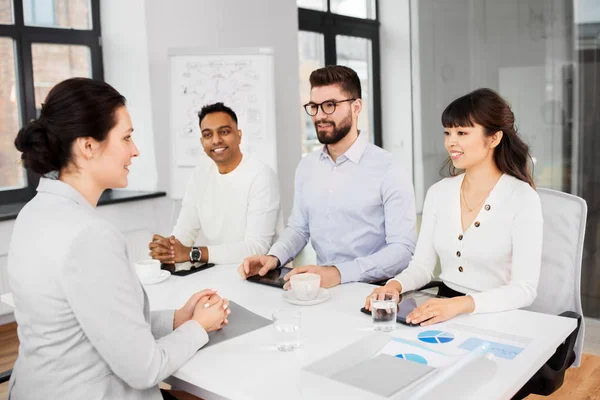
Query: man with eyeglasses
(352, 199)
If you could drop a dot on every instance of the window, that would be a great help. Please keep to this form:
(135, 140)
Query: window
(42, 42)
(343, 32)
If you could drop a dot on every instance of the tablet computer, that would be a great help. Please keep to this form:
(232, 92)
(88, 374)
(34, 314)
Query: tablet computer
(408, 302)
(272, 278)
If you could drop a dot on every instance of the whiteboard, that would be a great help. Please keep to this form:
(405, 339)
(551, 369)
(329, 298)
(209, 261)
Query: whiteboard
(243, 79)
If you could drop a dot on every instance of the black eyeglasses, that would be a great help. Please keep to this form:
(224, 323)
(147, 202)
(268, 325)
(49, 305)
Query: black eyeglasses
(328, 107)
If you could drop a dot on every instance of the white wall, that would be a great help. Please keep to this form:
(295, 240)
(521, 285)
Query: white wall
(126, 67)
(228, 23)
(396, 87)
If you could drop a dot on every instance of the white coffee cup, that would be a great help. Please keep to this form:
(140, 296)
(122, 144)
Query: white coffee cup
(147, 270)
(305, 286)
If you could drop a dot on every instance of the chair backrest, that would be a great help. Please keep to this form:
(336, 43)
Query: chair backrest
(559, 288)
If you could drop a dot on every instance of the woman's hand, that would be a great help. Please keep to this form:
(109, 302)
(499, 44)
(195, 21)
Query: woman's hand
(391, 287)
(186, 312)
(439, 310)
(211, 312)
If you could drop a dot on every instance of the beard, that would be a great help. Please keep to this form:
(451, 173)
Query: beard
(338, 133)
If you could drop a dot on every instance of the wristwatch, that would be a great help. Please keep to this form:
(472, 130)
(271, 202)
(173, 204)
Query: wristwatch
(195, 254)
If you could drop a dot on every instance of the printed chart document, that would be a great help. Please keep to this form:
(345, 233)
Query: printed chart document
(422, 362)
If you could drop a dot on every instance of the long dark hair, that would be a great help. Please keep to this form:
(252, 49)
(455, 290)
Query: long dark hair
(488, 109)
(76, 107)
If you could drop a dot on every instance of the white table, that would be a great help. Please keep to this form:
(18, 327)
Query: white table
(250, 367)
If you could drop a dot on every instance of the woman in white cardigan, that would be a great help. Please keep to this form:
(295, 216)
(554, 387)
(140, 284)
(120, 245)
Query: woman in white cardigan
(484, 223)
(85, 329)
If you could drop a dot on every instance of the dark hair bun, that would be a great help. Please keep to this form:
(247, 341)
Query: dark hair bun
(39, 147)
(77, 107)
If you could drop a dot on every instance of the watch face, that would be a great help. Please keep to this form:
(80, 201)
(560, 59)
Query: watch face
(195, 254)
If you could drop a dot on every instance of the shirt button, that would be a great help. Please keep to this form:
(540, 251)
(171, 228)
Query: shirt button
(477, 224)
(458, 254)
(460, 237)
(487, 207)
(460, 269)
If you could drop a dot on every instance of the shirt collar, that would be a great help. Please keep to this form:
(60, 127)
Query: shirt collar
(51, 184)
(354, 153)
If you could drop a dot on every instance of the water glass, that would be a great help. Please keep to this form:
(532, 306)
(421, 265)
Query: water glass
(384, 307)
(287, 329)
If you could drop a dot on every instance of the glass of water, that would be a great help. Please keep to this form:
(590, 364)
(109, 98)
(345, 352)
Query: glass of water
(384, 307)
(287, 329)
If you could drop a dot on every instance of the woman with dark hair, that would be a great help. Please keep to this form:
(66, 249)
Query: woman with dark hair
(84, 324)
(484, 222)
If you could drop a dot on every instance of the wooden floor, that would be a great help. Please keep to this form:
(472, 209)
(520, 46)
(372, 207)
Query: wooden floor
(580, 383)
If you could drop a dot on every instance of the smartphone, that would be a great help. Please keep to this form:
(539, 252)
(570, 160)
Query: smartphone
(189, 269)
(272, 278)
(408, 302)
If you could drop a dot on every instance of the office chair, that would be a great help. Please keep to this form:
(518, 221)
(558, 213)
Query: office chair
(559, 290)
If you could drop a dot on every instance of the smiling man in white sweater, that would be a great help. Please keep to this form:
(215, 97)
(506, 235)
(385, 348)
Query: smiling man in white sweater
(231, 198)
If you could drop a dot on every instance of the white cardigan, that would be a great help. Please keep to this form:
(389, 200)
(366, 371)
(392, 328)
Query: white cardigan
(496, 260)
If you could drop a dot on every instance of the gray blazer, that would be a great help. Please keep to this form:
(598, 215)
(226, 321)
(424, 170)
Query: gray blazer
(84, 322)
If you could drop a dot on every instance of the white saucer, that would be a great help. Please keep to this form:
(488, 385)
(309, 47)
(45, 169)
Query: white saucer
(323, 295)
(164, 275)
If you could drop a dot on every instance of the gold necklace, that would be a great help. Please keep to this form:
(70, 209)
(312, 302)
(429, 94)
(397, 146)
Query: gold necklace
(462, 194)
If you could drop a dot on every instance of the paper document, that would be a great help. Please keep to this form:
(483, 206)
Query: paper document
(417, 353)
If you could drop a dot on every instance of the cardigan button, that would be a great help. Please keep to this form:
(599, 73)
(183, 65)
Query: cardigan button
(458, 254)
(460, 269)
(460, 237)
(487, 207)
(477, 224)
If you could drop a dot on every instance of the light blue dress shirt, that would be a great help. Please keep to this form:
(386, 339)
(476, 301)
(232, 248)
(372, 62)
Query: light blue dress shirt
(359, 213)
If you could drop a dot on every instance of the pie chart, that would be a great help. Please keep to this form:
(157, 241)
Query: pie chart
(412, 357)
(435, 337)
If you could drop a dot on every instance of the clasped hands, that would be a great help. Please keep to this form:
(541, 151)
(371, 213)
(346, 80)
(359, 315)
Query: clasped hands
(205, 307)
(168, 250)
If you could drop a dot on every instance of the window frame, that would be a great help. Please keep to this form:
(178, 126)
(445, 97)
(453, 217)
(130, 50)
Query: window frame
(330, 25)
(23, 37)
